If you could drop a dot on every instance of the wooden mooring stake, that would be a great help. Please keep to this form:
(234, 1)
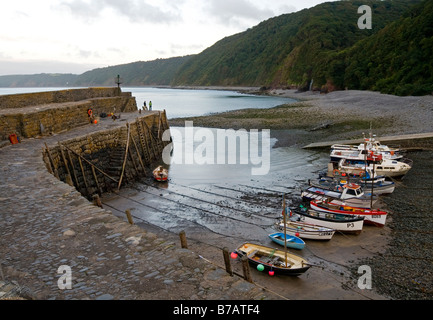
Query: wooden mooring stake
(97, 200)
(129, 217)
(246, 269)
(227, 261)
(183, 242)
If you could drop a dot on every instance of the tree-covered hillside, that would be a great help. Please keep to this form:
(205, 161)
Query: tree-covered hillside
(149, 73)
(141, 73)
(396, 60)
(291, 49)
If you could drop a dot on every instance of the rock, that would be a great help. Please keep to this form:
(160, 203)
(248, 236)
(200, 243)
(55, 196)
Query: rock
(69, 233)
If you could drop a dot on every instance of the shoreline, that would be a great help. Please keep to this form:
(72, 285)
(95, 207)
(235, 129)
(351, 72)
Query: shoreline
(339, 115)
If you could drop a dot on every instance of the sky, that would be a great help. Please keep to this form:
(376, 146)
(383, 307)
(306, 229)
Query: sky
(75, 36)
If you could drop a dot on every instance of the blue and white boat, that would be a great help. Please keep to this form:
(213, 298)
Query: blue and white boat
(291, 241)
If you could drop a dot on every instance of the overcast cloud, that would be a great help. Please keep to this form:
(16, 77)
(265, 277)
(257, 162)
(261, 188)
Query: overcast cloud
(73, 36)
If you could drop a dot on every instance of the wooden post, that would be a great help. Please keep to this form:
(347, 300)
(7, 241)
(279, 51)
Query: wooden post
(227, 261)
(133, 161)
(84, 175)
(52, 162)
(129, 217)
(73, 169)
(183, 242)
(124, 160)
(68, 172)
(246, 269)
(143, 140)
(96, 180)
(50, 169)
(139, 156)
(97, 200)
(152, 139)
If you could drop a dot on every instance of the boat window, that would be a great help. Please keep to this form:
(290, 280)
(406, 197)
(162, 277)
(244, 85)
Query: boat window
(351, 192)
(380, 168)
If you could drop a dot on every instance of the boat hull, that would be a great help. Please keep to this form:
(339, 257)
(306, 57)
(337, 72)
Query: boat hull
(273, 259)
(307, 231)
(291, 241)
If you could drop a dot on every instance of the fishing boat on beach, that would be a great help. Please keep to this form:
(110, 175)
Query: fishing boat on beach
(306, 231)
(160, 174)
(369, 144)
(291, 241)
(377, 185)
(345, 223)
(349, 194)
(279, 261)
(380, 166)
(338, 153)
(372, 217)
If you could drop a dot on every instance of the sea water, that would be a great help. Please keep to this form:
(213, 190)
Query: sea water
(185, 102)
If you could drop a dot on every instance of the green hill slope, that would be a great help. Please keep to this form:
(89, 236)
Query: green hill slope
(148, 73)
(290, 49)
(397, 60)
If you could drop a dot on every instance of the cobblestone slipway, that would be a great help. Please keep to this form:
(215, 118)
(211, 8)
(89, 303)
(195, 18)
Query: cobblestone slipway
(46, 224)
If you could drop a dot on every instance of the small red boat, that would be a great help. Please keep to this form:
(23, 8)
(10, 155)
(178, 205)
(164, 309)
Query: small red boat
(160, 174)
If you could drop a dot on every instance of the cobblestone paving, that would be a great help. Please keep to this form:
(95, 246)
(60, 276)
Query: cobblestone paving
(46, 224)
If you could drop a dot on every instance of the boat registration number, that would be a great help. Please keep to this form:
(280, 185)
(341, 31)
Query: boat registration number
(325, 233)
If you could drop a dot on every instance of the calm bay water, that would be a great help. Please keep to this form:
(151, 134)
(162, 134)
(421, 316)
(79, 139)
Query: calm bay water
(183, 102)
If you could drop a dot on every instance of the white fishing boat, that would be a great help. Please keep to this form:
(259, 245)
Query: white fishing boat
(355, 154)
(349, 194)
(381, 167)
(346, 223)
(370, 144)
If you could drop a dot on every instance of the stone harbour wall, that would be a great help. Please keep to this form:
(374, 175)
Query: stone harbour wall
(38, 114)
(40, 98)
(105, 160)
